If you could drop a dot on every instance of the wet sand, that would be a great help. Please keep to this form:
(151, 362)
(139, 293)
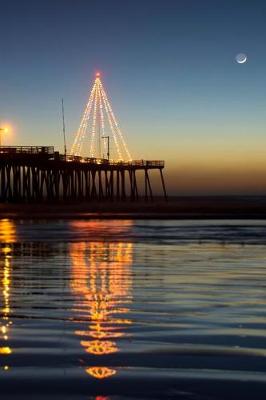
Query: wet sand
(208, 207)
(126, 310)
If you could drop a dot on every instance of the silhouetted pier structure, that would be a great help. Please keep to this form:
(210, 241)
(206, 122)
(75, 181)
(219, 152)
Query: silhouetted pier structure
(38, 173)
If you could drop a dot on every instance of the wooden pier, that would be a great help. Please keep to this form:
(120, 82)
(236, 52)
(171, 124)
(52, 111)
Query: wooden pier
(38, 173)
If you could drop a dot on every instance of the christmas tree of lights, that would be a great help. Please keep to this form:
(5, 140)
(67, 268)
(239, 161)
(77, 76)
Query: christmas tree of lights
(98, 124)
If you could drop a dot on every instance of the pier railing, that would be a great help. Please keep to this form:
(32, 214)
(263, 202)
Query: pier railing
(102, 161)
(27, 150)
(49, 152)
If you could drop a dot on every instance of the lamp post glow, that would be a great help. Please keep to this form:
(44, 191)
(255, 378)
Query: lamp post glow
(5, 130)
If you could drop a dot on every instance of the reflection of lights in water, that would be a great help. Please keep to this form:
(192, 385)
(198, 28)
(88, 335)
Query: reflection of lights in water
(99, 347)
(102, 278)
(101, 372)
(7, 236)
(6, 306)
(7, 231)
(102, 398)
(5, 350)
(102, 228)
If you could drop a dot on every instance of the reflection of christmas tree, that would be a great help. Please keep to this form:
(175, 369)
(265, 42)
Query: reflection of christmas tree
(101, 276)
(102, 398)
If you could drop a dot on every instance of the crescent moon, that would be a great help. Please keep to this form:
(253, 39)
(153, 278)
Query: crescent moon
(241, 58)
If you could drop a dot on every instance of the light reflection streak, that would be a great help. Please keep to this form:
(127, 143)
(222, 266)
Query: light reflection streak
(102, 283)
(7, 238)
(102, 398)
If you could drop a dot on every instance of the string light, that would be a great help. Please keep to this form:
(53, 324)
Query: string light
(115, 122)
(102, 279)
(102, 122)
(77, 145)
(92, 148)
(113, 131)
(99, 113)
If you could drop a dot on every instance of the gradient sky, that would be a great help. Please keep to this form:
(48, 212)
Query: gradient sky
(169, 69)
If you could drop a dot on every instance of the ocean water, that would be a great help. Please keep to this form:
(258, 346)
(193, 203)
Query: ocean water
(109, 310)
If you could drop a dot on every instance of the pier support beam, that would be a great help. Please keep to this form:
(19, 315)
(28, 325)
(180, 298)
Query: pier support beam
(37, 174)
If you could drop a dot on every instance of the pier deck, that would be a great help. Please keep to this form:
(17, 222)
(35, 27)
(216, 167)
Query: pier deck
(39, 173)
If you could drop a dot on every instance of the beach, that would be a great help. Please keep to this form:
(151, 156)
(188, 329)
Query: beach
(132, 309)
(183, 207)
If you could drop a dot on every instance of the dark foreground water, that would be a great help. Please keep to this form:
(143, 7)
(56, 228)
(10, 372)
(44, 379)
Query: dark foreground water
(108, 310)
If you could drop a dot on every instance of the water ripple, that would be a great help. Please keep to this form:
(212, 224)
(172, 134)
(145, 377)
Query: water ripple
(108, 310)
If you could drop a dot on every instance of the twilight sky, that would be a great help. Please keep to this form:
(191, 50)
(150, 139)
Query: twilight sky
(169, 69)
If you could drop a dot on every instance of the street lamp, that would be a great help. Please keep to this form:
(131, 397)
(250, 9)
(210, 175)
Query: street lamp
(108, 146)
(5, 130)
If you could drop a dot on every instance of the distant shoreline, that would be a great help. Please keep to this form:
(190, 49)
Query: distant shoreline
(187, 207)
